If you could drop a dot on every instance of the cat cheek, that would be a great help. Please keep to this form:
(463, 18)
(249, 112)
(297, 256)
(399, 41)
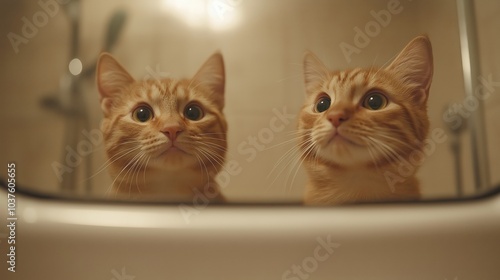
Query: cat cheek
(106, 106)
(105, 123)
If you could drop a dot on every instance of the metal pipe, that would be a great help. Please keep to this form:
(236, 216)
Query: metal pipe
(471, 71)
(71, 137)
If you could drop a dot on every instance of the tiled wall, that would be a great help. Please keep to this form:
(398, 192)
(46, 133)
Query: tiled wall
(489, 46)
(263, 53)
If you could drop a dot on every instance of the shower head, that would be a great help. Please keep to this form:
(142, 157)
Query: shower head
(72, 8)
(115, 26)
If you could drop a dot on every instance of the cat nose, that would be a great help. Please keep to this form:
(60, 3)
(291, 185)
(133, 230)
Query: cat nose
(337, 117)
(172, 132)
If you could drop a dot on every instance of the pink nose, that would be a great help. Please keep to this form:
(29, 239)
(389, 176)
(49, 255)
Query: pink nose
(337, 117)
(172, 132)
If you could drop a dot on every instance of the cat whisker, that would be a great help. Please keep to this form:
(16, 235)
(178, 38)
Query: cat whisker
(212, 133)
(399, 141)
(136, 171)
(215, 146)
(292, 162)
(113, 159)
(293, 140)
(397, 149)
(302, 159)
(370, 148)
(130, 172)
(123, 169)
(206, 137)
(144, 173)
(300, 131)
(143, 164)
(203, 166)
(363, 131)
(154, 145)
(212, 147)
(211, 157)
(288, 154)
(391, 155)
(305, 154)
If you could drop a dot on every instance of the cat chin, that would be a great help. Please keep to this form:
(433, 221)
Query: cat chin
(345, 155)
(171, 161)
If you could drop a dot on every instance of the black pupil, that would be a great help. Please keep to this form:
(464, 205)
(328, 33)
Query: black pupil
(143, 114)
(323, 105)
(193, 113)
(375, 102)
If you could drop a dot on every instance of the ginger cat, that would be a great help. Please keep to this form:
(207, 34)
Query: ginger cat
(165, 139)
(357, 127)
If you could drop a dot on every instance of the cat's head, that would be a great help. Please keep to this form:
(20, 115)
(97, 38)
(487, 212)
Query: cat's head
(163, 124)
(365, 117)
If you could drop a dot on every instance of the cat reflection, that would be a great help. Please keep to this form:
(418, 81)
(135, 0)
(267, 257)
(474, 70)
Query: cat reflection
(357, 127)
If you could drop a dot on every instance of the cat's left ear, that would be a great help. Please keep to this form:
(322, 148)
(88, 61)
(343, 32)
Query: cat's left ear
(112, 79)
(414, 66)
(315, 72)
(111, 76)
(212, 76)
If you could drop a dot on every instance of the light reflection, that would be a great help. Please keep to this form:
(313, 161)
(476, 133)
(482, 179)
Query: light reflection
(75, 66)
(105, 218)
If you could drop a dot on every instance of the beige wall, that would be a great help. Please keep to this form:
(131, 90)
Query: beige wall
(263, 52)
(489, 46)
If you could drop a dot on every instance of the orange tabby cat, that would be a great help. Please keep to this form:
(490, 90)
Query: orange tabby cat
(359, 126)
(165, 139)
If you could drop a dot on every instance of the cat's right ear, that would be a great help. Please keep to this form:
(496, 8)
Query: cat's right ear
(111, 76)
(414, 67)
(212, 75)
(315, 72)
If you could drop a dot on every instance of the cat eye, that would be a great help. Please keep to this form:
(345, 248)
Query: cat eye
(375, 101)
(193, 112)
(142, 114)
(323, 104)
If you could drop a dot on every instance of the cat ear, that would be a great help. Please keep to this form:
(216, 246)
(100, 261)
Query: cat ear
(111, 76)
(315, 72)
(211, 75)
(414, 66)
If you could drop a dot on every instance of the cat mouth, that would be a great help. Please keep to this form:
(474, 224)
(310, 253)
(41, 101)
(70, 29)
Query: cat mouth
(173, 150)
(339, 139)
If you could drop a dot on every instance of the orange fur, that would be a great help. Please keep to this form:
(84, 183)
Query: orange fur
(353, 153)
(168, 156)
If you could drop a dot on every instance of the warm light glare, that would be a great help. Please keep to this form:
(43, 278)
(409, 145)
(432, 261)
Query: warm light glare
(215, 14)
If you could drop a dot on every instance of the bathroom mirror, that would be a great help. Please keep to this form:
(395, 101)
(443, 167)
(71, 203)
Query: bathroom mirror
(51, 113)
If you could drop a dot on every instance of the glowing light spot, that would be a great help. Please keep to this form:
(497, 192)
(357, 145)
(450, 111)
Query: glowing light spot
(75, 66)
